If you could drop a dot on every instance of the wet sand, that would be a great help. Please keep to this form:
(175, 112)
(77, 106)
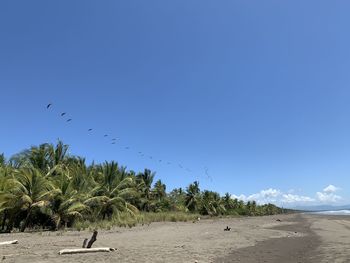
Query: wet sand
(297, 238)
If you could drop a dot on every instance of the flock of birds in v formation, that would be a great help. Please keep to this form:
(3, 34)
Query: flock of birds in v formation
(113, 141)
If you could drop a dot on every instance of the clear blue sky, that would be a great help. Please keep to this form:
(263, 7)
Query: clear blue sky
(257, 91)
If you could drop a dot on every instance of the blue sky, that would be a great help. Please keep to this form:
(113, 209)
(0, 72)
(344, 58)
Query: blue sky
(256, 91)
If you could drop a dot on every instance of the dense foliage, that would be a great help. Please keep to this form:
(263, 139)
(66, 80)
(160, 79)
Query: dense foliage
(46, 187)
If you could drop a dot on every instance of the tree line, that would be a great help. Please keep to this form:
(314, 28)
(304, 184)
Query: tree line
(46, 187)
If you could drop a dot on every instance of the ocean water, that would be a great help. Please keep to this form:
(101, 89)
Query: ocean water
(336, 212)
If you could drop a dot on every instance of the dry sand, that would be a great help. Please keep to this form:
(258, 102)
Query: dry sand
(298, 238)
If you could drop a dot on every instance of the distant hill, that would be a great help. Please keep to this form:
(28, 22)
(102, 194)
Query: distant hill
(322, 208)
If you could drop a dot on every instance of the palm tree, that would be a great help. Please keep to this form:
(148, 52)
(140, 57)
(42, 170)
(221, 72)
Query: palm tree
(29, 191)
(212, 204)
(159, 190)
(192, 196)
(66, 205)
(114, 192)
(45, 157)
(144, 181)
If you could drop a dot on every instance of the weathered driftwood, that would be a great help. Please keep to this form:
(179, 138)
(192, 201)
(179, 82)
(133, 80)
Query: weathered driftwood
(93, 239)
(87, 247)
(85, 250)
(9, 242)
(85, 242)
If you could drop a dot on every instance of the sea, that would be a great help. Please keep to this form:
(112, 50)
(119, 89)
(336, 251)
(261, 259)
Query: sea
(335, 212)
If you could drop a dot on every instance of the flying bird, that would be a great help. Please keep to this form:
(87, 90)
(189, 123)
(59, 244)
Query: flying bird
(89, 129)
(114, 139)
(127, 148)
(160, 161)
(113, 142)
(207, 174)
(106, 135)
(48, 105)
(63, 113)
(69, 120)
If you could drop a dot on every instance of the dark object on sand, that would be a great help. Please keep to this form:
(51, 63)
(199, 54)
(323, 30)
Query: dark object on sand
(85, 242)
(92, 240)
(278, 220)
(227, 229)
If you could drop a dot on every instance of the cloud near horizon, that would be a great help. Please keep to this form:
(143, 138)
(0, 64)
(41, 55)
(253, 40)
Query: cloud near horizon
(326, 196)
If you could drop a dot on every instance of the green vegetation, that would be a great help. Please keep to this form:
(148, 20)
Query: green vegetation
(44, 187)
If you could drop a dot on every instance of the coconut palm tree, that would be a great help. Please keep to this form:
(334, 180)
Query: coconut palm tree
(112, 194)
(29, 190)
(192, 196)
(211, 204)
(67, 202)
(144, 184)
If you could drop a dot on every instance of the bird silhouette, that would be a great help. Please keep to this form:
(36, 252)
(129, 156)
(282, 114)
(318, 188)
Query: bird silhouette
(114, 139)
(113, 142)
(48, 105)
(127, 148)
(106, 135)
(89, 129)
(63, 113)
(69, 120)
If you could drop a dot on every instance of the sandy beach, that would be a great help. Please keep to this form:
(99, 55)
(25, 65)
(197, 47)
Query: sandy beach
(297, 238)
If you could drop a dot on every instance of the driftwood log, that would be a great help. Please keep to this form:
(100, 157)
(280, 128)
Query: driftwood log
(92, 240)
(87, 247)
(85, 250)
(9, 242)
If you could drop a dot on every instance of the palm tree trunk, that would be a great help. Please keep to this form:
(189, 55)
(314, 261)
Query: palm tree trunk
(26, 221)
(4, 221)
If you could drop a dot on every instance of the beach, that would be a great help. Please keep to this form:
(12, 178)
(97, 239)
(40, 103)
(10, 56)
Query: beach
(292, 238)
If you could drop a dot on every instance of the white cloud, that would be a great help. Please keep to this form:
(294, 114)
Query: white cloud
(331, 189)
(263, 197)
(328, 194)
(292, 198)
(276, 196)
(328, 197)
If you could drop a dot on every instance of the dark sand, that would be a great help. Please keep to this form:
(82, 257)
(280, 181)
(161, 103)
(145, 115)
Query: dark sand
(289, 249)
(297, 238)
